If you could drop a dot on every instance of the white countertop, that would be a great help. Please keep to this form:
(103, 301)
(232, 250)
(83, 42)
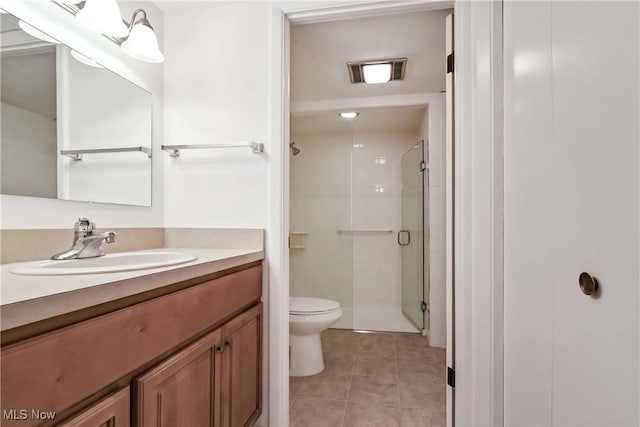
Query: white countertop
(28, 299)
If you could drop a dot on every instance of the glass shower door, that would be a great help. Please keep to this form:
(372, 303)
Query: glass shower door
(411, 236)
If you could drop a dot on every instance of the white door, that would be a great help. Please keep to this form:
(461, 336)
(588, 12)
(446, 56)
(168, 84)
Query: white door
(572, 111)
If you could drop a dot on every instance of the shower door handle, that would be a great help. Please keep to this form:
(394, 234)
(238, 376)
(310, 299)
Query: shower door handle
(401, 241)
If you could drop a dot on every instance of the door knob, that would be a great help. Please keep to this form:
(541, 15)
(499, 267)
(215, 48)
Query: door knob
(588, 283)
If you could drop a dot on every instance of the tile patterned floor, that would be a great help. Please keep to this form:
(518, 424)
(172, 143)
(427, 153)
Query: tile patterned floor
(372, 379)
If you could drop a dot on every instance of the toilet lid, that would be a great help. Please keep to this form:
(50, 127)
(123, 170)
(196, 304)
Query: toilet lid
(301, 305)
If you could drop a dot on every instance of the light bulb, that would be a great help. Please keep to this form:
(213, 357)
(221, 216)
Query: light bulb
(143, 44)
(377, 73)
(104, 17)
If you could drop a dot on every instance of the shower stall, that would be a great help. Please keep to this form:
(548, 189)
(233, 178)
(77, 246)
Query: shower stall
(359, 211)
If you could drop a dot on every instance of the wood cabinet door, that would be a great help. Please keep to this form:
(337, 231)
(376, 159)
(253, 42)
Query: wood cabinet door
(182, 391)
(112, 411)
(242, 369)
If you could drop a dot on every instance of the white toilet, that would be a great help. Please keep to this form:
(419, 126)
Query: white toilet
(307, 318)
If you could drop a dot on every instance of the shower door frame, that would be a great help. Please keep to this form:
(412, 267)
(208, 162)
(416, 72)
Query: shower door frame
(423, 301)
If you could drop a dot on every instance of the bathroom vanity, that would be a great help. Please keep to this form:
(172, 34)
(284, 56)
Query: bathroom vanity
(174, 346)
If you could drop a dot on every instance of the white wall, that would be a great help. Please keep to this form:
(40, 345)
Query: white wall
(320, 203)
(28, 212)
(28, 153)
(217, 90)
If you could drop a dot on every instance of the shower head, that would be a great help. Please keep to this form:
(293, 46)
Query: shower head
(294, 150)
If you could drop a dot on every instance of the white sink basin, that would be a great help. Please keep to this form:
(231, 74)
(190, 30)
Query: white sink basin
(111, 263)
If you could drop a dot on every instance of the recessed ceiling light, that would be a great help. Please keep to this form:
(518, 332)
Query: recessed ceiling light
(377, 73)
(349, 115)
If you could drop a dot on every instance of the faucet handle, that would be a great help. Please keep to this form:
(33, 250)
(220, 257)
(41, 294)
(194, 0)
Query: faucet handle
(84, 225)
(110, 237)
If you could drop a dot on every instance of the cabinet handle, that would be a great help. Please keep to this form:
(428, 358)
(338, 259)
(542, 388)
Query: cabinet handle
(221, 348)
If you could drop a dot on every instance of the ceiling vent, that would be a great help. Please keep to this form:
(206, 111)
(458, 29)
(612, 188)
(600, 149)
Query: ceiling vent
(356, 72)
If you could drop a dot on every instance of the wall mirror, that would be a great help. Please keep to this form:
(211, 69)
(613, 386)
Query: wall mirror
(70, 128)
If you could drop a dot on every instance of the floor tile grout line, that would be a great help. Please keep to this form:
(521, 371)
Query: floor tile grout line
(346, 403)
(399, 347)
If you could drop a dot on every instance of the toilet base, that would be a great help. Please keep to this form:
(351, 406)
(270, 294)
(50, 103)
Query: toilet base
(306, 355)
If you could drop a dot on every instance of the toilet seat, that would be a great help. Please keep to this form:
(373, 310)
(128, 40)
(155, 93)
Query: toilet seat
(311, 306)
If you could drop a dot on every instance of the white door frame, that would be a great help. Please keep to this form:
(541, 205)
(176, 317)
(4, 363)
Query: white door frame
(478, 214)
(478, 259)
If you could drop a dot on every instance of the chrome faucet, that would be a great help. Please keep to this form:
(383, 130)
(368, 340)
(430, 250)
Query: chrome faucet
(86, 244)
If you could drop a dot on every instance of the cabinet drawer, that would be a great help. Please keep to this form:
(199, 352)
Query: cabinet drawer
(57, 370)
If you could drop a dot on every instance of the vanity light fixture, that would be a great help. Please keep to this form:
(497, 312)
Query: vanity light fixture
(104, 17)
(349, 115)
(34, 32)
(142, 42)
(136, 37)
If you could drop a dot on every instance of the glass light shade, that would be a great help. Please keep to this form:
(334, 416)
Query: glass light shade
(85, 59)
(349, 115)
(34, 32)
(104, 17)
(143, 44)
(377, 73)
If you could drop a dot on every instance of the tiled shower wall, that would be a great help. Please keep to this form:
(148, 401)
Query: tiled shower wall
(344, 180)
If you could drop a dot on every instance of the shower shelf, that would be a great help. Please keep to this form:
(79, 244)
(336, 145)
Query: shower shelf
(365, 230)
(297, 239)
